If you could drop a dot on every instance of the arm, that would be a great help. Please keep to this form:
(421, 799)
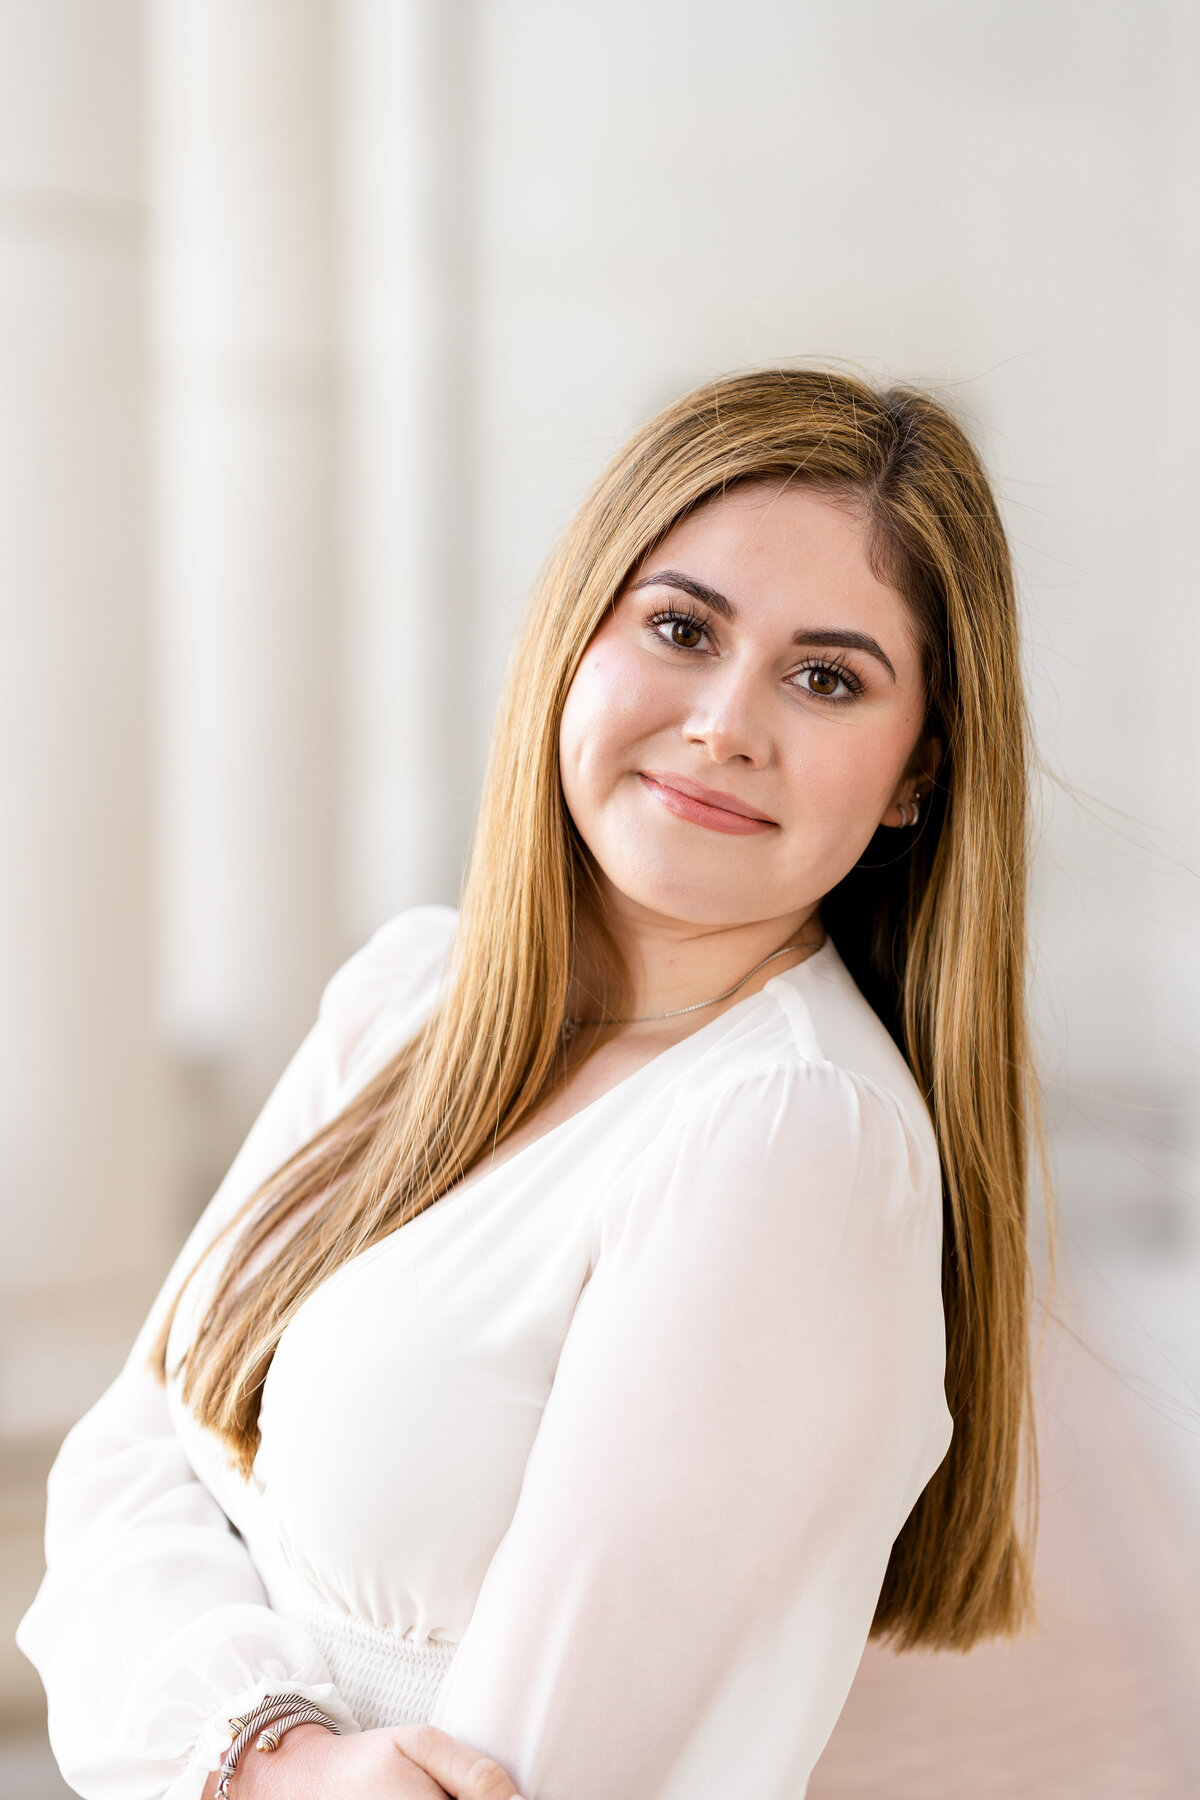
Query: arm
(747, 1405)
(152, 1626)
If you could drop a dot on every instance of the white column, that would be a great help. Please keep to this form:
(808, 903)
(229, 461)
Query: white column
(411, 650)
(79, 1105)
(244, 429)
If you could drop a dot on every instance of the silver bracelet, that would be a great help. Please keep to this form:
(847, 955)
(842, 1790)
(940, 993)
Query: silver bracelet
(265, 1726)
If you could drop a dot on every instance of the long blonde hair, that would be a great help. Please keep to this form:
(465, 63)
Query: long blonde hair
(935, 937)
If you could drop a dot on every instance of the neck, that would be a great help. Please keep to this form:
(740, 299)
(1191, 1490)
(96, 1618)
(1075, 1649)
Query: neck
(674, 963)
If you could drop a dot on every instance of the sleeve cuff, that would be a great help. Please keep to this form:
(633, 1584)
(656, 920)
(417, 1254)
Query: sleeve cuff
(220, 1666)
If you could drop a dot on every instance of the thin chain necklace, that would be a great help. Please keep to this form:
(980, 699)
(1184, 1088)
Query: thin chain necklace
(571, 1026)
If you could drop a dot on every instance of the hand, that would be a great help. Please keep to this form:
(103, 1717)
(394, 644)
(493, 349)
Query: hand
(399, 1762)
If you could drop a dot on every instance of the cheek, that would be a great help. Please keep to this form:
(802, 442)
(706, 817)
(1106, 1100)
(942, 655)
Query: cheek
(843, 781)
(612, 704)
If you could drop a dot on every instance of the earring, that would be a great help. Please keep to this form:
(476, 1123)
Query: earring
(916, 809)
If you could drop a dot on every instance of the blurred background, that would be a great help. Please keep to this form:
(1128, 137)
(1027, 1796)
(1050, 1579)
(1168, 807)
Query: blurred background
(317, 317)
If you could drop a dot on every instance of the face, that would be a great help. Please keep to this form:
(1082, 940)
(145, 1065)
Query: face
(748, 714)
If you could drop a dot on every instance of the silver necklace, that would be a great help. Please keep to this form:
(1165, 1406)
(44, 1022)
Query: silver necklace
(571, 1026)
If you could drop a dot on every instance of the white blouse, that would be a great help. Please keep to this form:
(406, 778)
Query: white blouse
(596, 1464)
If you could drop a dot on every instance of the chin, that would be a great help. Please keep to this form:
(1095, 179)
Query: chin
(697, 909)
(698, 900)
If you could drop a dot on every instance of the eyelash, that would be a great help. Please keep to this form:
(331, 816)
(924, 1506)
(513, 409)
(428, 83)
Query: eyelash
(694, 621)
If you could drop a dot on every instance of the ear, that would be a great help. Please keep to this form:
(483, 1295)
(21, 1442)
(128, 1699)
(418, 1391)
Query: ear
(927, 759)
(915, 783)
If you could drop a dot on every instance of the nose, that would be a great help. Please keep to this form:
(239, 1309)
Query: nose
(728, 716)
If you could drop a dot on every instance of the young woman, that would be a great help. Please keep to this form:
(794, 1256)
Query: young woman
(619, 1309)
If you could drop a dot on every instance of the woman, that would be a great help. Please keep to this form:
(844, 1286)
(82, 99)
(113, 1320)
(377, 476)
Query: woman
(619, 1309)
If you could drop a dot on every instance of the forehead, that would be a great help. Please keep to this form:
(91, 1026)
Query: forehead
(787, 553)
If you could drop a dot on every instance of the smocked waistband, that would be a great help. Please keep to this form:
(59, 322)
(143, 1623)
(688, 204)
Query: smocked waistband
(384, 1678)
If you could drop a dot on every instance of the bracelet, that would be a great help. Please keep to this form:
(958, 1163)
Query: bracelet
(265, 1726)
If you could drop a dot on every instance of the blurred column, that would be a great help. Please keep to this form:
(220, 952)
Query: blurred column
(1175, 731)
(244, 444)
(411, 653)
(79, 1107)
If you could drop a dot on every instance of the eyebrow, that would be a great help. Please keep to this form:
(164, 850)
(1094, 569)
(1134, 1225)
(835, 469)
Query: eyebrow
(823, 637)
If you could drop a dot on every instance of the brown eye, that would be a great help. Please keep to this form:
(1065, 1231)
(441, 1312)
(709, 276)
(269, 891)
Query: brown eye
(826, 683)
(681, 630)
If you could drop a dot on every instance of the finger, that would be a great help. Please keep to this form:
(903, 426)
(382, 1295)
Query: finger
(415, 1782)
(463, 1772)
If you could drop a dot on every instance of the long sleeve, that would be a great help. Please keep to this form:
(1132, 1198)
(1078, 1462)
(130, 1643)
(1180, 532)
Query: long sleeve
(152, 1625)
(748, 1403)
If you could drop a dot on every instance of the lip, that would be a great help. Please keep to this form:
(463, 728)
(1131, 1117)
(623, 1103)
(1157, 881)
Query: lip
(702, 805)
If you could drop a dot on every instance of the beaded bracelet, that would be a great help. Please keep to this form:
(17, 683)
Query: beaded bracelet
(267, 1724)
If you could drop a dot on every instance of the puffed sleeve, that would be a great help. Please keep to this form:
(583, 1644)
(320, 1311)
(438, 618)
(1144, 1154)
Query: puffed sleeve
(151, 1627)
(748, 1402)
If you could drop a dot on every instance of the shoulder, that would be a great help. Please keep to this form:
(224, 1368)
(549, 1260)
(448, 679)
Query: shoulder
(807, 1076)
(810, 1146)
(822, 1086)
(803, 1121)
(385, 992)
(832, 1025)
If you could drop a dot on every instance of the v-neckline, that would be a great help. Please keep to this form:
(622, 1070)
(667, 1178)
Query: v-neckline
(481, 1173)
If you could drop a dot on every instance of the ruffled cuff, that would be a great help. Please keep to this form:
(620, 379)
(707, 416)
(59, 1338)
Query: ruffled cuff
(218, 1667)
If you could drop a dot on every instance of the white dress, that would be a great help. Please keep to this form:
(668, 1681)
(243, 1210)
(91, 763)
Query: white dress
(596, 1464)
